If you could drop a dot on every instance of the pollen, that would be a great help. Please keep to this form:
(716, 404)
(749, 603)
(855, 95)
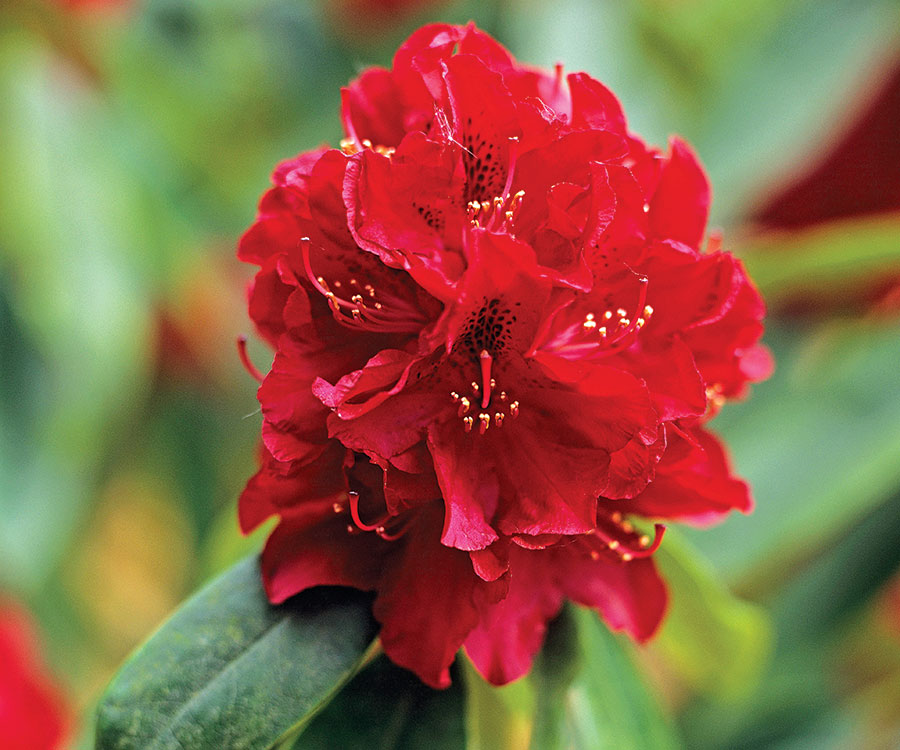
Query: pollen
(496, 214)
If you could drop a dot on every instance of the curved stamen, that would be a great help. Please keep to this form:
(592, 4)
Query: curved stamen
(245, 360)
(360, 524)
(360, 313)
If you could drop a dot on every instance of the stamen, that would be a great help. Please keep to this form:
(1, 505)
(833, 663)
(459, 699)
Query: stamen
(467, 423)
(354, 514)
(485, 420)
(245, 360)
(486, 361)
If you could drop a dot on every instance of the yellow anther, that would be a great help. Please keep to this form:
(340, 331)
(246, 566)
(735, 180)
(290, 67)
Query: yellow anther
(467, 424)
(357, 315)
(595, 555)
(627, 527)
(640, 322)
(357, 299)
(602, 331)
(514, 409)
(485, 420)
(621, 312)
(625, 322)
(337, 508)
(614, 545)
(493, 383)
(475, 386)
(498, 418)
(644, 541)
(503, 395)
(648, 311)
(607, 315)
(454, 395)
(616, 517)
(464, 406)
(627, 557)
(590, 323)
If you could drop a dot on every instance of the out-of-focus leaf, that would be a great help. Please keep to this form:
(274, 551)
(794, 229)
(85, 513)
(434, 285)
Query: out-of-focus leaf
(827, 259)
(497, 717)
(555, 667)
(388, 708)
(590, 693)
(68, 219)
(231, 671)
(819, 444)
(716, 643)
(609, 705)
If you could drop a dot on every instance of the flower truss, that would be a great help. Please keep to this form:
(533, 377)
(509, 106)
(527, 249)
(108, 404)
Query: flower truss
(497, 338)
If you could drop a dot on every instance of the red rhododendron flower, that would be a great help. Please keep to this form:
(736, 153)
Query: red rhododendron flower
(496, 336)
(32, 715)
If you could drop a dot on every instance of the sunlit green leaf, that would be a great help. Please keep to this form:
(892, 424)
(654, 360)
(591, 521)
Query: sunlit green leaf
(716, 643)
(828, 259)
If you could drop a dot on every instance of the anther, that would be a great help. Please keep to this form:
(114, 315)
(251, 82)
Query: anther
(337, 508)
(464, 406)
(614, 545)
(498, 418)
(621, 312)
(514, 409)
(627, 557)
(644, 541)
(467, 423)
(485, 420)
(454, 395)
(607, 315)
(648, 311)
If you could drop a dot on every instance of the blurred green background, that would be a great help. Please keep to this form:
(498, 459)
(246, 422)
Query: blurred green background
(135, 140)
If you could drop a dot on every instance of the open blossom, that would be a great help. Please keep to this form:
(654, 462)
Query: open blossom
(32, 714)
(497, 340)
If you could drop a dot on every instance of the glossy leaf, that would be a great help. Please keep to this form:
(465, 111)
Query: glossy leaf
(228, 670)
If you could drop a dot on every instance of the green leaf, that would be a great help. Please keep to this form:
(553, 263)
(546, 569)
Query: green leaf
(716, 643)
(609, 704)
(831, 259)
(818, 443)
(388, 708)
(585, 692)
(228, 670)
(497, 718)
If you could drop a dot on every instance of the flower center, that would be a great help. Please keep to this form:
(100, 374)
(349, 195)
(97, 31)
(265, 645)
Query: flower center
(605, 334)
(367, 309)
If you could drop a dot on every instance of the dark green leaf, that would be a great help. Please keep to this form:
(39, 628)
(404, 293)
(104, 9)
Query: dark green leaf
(231, 671)
(388, 708)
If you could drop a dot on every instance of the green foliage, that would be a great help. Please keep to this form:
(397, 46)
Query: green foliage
(387, 708)
(231, 671)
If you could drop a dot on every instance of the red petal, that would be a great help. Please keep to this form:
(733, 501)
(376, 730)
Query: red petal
(468, 485)
(312, 547)
(429, 599)
(630, 596)
(503, 644)
(680, 206)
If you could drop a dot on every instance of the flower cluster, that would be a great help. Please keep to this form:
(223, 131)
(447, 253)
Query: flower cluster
(497, 340)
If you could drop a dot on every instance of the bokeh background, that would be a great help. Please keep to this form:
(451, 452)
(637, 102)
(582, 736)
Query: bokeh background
(135, 140)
